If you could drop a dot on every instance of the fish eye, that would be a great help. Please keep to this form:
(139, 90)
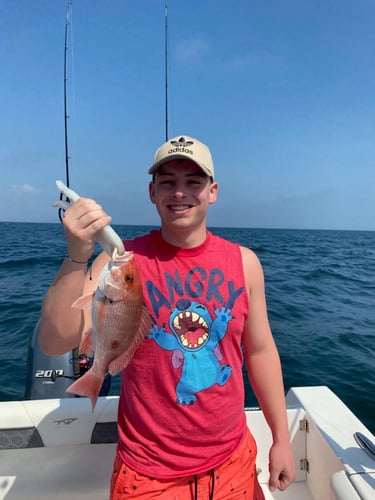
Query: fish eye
(128, 278)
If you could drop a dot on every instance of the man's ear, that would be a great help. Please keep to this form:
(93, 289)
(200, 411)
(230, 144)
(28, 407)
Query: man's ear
(151, 191)
(214, 188)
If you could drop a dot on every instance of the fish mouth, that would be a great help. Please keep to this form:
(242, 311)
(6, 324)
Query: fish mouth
(192, 329)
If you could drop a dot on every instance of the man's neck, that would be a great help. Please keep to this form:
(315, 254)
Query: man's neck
(184, 238)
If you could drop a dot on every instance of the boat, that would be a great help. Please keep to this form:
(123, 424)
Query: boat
(52, 445)
(58, 448)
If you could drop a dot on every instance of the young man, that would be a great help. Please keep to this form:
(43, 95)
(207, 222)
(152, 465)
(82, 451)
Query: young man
(182, 428)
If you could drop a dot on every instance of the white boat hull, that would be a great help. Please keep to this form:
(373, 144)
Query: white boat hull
(59, 449)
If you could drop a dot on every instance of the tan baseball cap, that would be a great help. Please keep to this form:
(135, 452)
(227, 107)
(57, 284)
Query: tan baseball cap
(185, 148)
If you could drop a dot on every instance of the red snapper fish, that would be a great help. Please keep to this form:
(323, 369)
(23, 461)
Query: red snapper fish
(120, 322)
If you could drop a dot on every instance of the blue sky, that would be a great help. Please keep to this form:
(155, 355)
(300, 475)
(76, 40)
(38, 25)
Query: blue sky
(282, 92)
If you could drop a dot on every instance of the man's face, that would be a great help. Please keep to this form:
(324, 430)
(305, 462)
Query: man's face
(182, 192)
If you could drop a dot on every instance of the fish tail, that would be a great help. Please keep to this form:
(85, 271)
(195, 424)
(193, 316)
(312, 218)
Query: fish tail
(88, 385)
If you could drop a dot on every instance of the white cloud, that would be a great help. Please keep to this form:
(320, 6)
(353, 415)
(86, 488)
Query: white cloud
(253, 59)
(192, 49)
(242, 61)
(25, 189)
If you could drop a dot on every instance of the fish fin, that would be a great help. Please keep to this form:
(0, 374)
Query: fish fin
(121, 362)
(146, 322)
(88, 385)
(86, 346)
(83, 302)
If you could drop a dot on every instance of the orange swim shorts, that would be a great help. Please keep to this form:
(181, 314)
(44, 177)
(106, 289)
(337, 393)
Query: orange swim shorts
(235, 479)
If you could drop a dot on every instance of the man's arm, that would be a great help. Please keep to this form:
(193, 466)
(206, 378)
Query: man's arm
(61, 326)
(264, 370)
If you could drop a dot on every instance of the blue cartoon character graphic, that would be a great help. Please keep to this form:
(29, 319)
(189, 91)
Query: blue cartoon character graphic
(195, 344)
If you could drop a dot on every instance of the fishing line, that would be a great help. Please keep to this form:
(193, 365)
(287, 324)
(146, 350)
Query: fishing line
(167, 76)
(72, 66)
(166, 66)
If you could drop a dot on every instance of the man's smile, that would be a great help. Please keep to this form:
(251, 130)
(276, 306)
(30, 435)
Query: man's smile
(179, 208)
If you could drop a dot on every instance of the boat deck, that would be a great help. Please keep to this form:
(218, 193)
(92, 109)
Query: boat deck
(60, 449)
(79, 472)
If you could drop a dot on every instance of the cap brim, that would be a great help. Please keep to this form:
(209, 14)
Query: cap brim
(177, 156)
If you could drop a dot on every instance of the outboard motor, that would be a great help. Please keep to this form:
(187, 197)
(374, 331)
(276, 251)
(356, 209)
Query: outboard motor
(48, 377)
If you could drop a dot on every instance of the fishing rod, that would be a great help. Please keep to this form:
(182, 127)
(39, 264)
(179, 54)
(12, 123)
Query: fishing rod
(67, 24)
(166, 66)
(66, 116)
(76, 359)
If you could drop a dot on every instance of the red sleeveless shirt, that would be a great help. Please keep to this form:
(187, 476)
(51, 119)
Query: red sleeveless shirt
(182, 396)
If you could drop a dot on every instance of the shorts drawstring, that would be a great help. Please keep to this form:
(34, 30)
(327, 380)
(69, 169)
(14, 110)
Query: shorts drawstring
(212, 485)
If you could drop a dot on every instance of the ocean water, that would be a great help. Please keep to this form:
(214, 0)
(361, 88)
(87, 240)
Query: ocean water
(320, 288)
